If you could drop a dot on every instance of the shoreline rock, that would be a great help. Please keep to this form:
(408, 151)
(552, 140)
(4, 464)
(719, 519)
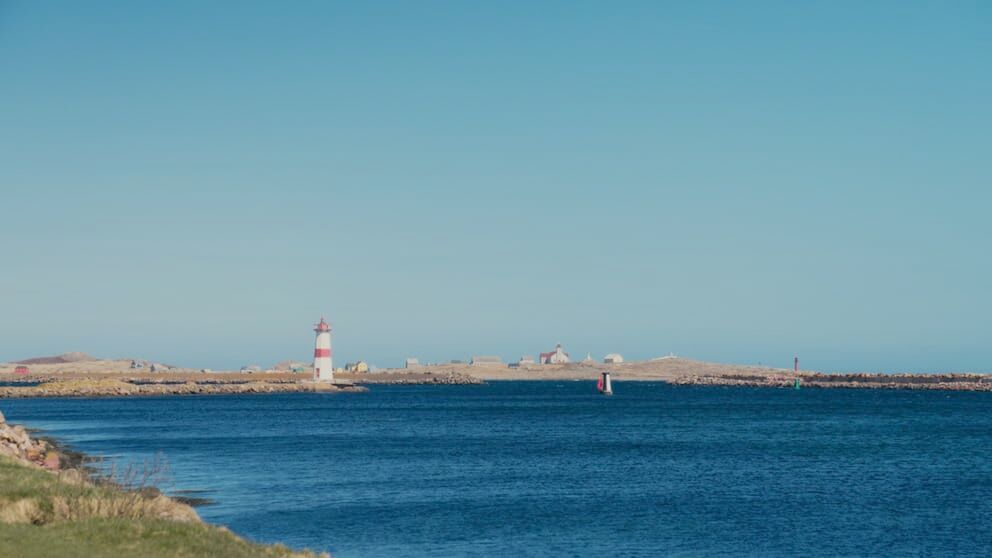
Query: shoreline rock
(933, 382)
(16, 442)
(418, 378)
(120, 387)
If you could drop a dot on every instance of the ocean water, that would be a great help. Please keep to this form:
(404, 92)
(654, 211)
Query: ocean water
(554, 469)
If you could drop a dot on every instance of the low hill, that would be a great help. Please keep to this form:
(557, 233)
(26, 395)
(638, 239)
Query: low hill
(64, 358)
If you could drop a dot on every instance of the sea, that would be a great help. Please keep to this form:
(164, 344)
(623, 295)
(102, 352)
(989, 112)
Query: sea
(555, 469)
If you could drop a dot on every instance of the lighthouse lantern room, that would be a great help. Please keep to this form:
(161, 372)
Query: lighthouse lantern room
(323, 370)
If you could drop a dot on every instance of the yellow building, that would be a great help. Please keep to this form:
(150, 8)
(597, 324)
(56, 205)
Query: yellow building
(360, 367)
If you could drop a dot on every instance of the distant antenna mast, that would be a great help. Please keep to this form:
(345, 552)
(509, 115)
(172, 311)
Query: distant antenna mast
(795, 365)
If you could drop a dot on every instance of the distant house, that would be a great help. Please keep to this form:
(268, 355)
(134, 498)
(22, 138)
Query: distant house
(486, 361)
(412, 363)
(137, 364)
(290, 366)
(22, 370)
(612, 358)
(525, 360)
(557, 356)
(360, 367)
(251, 369)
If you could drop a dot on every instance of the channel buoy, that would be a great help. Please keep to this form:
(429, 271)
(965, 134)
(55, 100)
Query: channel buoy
(605, 386)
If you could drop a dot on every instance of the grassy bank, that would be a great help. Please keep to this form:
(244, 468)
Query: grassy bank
(43, 514)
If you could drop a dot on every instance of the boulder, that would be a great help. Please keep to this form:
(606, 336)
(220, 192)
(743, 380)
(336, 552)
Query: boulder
(19, 436)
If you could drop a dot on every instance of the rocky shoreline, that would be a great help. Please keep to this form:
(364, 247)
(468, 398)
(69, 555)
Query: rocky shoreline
(69, 467)
(115, 384)
(16, 442)
(46, 485)
(438, 378)
(944, 382)
(687, 372)
(114, 379)
(114, 387)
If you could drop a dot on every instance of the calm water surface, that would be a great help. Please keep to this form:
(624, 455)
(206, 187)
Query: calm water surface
(552, 468)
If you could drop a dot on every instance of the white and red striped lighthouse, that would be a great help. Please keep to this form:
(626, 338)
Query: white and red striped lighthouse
(323, 370)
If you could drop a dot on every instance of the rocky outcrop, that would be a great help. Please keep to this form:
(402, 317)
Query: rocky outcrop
(17, 443)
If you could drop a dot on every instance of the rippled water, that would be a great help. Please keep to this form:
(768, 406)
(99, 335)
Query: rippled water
(552, 468)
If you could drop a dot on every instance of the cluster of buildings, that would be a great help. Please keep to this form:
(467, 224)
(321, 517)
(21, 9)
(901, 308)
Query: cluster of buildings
(323, 370)
(151, 366)
(557, 356)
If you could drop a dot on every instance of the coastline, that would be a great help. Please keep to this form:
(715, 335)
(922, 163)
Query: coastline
(688, 372)
(113, 378)
(102, 386)
(47, 486)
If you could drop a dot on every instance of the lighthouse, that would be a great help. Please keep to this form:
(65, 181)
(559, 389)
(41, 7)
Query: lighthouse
(323, 370)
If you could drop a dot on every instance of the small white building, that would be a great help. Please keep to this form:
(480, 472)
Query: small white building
(558, 356)
(412, 363)
(612, 358)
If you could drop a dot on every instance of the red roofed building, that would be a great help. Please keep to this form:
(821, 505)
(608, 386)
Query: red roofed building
(557, 356)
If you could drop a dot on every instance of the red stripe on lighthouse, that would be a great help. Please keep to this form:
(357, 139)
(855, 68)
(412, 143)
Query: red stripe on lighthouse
(321, 352)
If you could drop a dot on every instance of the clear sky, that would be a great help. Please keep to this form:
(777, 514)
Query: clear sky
(197, 182)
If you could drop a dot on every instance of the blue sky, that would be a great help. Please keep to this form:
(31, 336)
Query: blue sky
(740, 182)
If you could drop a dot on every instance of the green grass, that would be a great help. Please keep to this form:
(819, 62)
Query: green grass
(29, 495)
(117, 538)
(36, 524)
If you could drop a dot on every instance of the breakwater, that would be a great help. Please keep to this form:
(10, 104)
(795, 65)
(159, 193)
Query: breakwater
(945, 382)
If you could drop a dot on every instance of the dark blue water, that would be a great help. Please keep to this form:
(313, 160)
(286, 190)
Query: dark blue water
(546, 468)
